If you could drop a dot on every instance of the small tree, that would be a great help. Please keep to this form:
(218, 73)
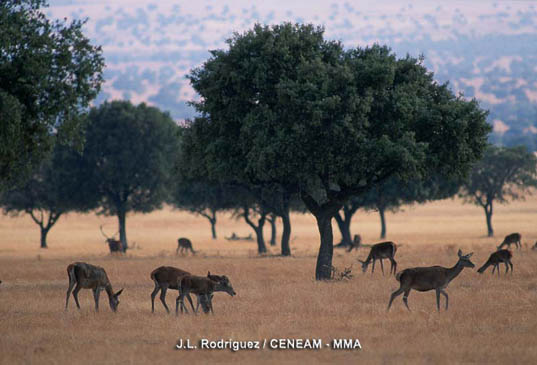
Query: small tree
(57, 187)
(284, 106)
(503, 174)
(49, 72)
(130, 151)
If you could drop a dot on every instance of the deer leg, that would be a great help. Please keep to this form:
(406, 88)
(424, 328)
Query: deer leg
(394, 265)
(69, 289)
(506, 267)
(405, 298)
(96, 293)
(191, 304)
(394, 295)
(373, 267)
(493, 268)
(498, 269)
(511, 264)
(445, 295)
(75, 294)
(209, 302)
(382, 267)
(163, 298)
(153, 295)
(438, 299)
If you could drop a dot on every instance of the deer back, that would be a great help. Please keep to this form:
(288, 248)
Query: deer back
(383, 250)
(184, 242)
(87, 275)
(169, 275)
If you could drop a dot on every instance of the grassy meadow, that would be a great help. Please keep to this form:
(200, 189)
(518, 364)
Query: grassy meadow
(491, 319)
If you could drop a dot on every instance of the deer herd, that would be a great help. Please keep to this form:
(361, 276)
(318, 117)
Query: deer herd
(86, 276)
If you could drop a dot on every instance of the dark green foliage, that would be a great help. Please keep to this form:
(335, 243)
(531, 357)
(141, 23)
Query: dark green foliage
(131, 153)
(284, 106)
(56, 187)
(49, 72)
(503, 174)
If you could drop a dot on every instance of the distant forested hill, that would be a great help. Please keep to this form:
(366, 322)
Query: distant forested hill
(484, 49)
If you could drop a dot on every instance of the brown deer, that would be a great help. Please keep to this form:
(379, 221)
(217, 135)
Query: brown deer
(355, 244)
(114, 245)
(429, 278)
(380, 251)
(202, 286)
(183, 245)
(513, 238)
(495, 259)
(87, 276)
(167, 277)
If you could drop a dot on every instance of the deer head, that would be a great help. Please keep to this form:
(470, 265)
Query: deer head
(114, 300)
(464, 260)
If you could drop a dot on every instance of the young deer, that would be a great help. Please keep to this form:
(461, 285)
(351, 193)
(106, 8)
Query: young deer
(183, 245)
(513, 238)
(167, 277)
(495, 259)
(87, 276)
(429, 278)
(380, 251)
(201, 286)
(355, 244)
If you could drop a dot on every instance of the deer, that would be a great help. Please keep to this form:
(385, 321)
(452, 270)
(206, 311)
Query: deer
(87, 276)
(183, 245)
(380, 251)
(495, 259)
(115, 245)
(355, 244)
(167, 277)
(203, 287)
(429, 278)
(510, 239)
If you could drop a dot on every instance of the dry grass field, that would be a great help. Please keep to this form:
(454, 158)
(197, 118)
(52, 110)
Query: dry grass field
(491, 319)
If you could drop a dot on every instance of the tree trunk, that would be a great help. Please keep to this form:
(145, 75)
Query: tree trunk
(261, 247)
(258, 229)
(286, 234)
(44, 232)
(272, 221)
(213, 227)
(488, 214)
(122, 216)
(344, 226)
(382, 223)
(323, 270)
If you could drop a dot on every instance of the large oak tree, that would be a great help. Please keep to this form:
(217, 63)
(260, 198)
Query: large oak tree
(282, 105)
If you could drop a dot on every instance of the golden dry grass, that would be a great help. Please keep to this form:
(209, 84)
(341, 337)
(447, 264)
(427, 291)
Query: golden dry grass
(490, 319)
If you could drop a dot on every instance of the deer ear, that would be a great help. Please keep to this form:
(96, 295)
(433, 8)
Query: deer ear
(118, 293)
(459, 253)
(469, 255)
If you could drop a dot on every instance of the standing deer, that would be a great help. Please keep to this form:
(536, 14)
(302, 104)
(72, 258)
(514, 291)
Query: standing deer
(201, 286)
(115, 245)
(510, 239)
(355, 244)
(87, 276)
(380, 251)
(495, 259)
(183, 245)
(167, 277)
(429, 278)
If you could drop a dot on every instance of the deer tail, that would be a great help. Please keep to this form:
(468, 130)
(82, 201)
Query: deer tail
(398, 276)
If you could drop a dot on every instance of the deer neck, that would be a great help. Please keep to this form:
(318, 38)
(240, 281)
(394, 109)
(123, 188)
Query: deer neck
(454, 271)
(109, 290)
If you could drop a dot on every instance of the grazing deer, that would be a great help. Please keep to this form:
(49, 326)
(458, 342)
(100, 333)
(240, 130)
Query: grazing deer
(510, 239)
(495, 259)
(380, 251)
(87, 276)
(183, 245)
(355, 244)
(115, 245)
(202, 286)
(429, 278)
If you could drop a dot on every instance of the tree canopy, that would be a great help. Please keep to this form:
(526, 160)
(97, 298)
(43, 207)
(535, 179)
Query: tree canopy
(503, 174)
(130, 151)
(283, 105)
(49, 72)
(56, 187)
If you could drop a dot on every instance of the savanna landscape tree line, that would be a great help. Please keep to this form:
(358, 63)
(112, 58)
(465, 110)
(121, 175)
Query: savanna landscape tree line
(287, 120)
